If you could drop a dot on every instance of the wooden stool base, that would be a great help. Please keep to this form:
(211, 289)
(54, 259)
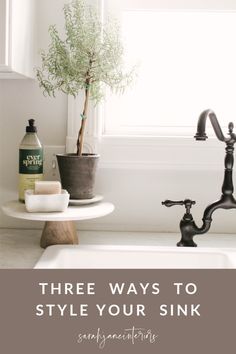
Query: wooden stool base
(59, 233)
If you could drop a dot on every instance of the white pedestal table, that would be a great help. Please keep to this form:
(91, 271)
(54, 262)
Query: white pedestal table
(59, 227)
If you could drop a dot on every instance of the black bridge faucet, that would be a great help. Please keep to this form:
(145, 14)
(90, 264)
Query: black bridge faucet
(188, 227)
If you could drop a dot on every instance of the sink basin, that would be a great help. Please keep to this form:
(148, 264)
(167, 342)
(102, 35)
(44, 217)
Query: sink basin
(132, 257)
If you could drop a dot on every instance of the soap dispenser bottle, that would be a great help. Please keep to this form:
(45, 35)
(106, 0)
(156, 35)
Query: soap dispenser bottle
(30, 160)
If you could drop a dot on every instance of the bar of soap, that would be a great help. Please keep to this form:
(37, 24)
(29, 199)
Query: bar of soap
(47, 187)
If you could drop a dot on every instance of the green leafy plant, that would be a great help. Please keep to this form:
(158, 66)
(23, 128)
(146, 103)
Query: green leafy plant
(87, 59)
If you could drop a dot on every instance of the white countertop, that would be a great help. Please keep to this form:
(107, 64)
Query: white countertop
(20, 248)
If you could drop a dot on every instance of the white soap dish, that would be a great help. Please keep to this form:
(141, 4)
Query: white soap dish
(45, 203)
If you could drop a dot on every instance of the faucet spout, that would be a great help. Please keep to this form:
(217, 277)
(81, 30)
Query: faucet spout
(201, 126)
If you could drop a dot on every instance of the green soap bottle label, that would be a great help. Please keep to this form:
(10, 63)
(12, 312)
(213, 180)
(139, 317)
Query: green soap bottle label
(31, 161)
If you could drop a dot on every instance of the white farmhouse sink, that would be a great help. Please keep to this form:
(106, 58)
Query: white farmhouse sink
(132, 257)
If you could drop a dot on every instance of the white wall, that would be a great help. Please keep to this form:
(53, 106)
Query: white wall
(137, 195)
(136, 191)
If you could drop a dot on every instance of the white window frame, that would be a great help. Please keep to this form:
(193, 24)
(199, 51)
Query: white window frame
(148, 152)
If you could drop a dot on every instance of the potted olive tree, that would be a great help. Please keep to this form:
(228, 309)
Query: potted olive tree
(88, 57)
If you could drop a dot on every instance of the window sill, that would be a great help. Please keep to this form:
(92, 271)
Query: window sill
(160, 153)
(145, 152)
(155, 153)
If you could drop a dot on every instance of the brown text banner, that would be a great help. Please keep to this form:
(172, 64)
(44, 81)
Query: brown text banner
(117, 311)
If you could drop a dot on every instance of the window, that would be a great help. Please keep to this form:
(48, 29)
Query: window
(187, 64)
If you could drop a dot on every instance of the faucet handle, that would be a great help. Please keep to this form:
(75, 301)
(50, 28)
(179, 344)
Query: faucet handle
(169, 203)
(188, 203)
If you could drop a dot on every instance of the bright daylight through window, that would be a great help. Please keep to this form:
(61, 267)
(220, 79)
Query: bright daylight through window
(187, 63)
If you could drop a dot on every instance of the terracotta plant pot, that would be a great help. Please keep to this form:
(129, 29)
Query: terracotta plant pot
(78, 174)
